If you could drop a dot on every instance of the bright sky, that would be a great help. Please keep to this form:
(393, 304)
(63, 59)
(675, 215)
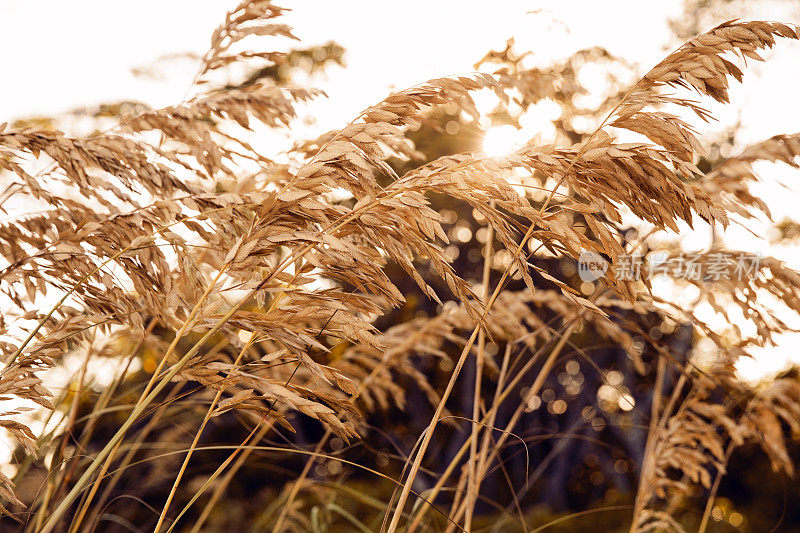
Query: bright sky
(65, 54)
(60, 55)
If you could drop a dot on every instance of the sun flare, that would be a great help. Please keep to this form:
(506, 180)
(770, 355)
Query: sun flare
(502, 140)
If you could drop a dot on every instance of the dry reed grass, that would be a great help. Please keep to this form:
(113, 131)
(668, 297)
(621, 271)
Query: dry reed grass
(132, 232)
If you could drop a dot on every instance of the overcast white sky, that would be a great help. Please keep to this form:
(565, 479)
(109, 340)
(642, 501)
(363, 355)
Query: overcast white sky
(58, 55)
